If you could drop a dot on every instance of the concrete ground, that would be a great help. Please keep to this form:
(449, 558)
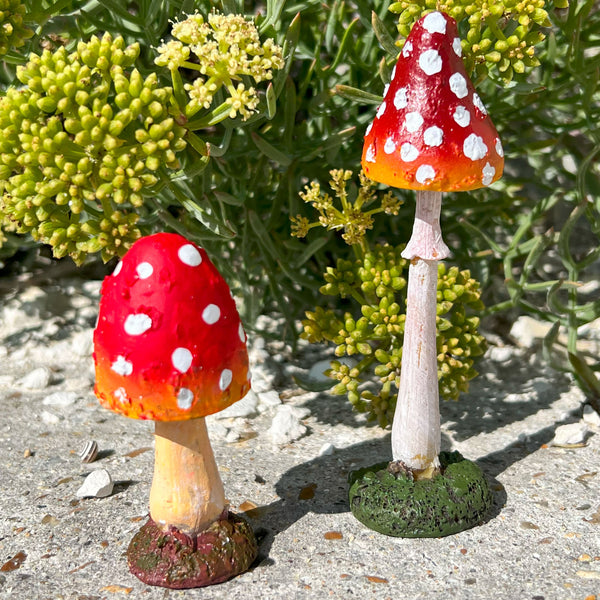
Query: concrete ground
(542, 540)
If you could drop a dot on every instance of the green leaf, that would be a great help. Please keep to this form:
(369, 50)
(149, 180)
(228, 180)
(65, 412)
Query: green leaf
(270, 151)
(356, 95)
(382, 34)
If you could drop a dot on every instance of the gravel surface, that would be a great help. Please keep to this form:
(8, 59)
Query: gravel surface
(284, 455)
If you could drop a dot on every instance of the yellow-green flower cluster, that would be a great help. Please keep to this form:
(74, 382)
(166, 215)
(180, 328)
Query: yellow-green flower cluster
(374, 338)
(352, 218)
(13, 32)
(80, 143)
(496, 35)
(227, 54)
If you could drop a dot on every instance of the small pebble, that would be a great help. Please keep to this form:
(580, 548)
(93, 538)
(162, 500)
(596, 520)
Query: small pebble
(286, 426)
(98, 484)
(572, 434)
(269, 399)
(50, 418)
(38, 379)
(245, 408)
(590, 416)
(326, 450)
(60, 399)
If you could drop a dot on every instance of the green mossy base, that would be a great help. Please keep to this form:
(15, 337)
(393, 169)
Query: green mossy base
(174, 560)
(455, 500)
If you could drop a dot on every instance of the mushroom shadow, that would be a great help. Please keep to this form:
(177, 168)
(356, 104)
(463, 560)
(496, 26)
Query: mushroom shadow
(321, 486)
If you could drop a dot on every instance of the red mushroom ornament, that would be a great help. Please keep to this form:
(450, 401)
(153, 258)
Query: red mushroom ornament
(431, 134)
(169, 346)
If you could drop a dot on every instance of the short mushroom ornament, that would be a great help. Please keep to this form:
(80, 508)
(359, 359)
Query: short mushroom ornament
(431, 134)
(169, 346)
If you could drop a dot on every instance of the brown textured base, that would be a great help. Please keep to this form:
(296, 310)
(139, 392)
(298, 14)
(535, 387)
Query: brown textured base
(174, 560)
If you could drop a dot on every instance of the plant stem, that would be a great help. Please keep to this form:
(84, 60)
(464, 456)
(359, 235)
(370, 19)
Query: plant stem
(416, 436)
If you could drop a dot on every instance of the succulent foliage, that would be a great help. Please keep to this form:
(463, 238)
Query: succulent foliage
(369, 337)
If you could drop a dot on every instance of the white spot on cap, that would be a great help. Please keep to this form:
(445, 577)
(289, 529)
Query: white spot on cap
(211, 314)
(479, 104)
(144, 270)
(488, 174)
(394, 72)
(225, 379)
(433, 136)
(381, 110)
(457, 47)
(458, 84)
(390, 146)
(474, 148)
(462, 116)
(137, 324)
(185, 398)
(370, 155)
(408, 152)
(118, 268)
(401, 98)
(122, 366)
(407, 49)
(499, 149)
(242, 333)
(121, 395)
(368, 130)
(189, 255)
(386, 88)
(413, 121)
(181, 359)
(435, 23)
(430, 61)
(425, 173)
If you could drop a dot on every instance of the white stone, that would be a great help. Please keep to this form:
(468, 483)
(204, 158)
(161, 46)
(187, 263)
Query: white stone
(38, 379)
(82, 343)
(286, 426)
(98, 484)
(527, 331)
(572, 434)
(590, 416)
(501, 354)
(50, 418)
(60, 399)
(326, 450)
(244, 408)
(317, 372)
(269, 399)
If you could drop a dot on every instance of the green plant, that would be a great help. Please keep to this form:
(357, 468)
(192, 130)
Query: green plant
(370, 332)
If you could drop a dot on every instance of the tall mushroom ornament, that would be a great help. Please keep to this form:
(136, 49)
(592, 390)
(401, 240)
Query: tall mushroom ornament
(431, 134)
(169, 346)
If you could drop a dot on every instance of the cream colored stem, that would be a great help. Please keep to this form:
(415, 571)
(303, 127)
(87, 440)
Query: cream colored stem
(187, 491)
(416, 433)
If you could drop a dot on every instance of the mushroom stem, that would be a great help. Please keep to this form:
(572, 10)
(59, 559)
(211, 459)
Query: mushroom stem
(416, 436)
(187, 491)
(426, 240)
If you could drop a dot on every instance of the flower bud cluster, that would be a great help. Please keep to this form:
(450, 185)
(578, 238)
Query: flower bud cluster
(226, 53)
(499, 35)
(80, 144)
(351, 218)
(13, 32)
(374, 338)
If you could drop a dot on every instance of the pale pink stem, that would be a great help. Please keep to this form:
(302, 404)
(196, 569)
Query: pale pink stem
(416, 433)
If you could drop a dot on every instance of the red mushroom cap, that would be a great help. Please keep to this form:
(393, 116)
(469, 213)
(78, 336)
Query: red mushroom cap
(432, 132)
(169, 344)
